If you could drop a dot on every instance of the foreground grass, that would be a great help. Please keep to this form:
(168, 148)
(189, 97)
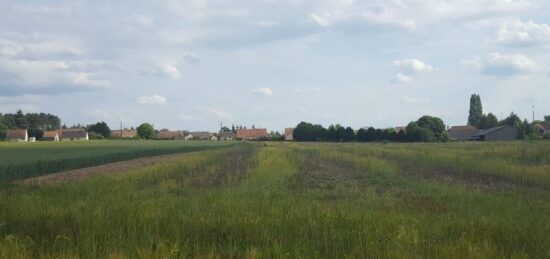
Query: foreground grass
(294, 200)
(24, 160)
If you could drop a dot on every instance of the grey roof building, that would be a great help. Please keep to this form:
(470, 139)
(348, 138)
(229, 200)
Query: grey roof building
(501, 133)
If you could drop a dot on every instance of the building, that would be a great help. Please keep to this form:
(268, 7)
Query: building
(501, 133)
(126, 133)
(52, 135)
(462, 133)
(200, 135)
(289, 134)
(77, 134)
(399, 129)
(227, 136)
(170, 135)
(19, 135)
(543, 128)
(252, 134)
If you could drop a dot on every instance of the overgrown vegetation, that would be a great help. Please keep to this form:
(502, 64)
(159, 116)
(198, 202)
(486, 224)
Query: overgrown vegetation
(328, 200)
(18, 160)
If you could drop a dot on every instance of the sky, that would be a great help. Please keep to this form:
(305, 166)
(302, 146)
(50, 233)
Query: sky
(193, 64)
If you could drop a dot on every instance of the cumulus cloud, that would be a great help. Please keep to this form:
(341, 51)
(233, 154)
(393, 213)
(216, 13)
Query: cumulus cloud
(263, 91)
(165, 69)
(401, 78)
(216, 114)
(522, 34)
(151, 99)
(412, 66)
(498, 64)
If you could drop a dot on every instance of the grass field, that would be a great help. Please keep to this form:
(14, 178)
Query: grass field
(460, 200)
(23, 160)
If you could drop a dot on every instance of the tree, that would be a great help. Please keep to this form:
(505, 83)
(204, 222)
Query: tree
(371, 135)
(308, 132)
(331, 133)
(349, 135)
(100, 128)
(420, 135)
(361, 135)
(488, 121)
(434, 124)
(146, 131)
(512, 120)
(547, 118)
(340, 133)
(476, 110)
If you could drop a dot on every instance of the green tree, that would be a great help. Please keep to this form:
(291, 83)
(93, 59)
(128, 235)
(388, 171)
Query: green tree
(420, 134)
(340, 133)
(488, 121)
(512, 120)
(100, 128)
(349, 135)
(371, 134)
(146, 131)
(331, 133)
(361, 135)
(434, 124)
(476, 110)
(547, 118)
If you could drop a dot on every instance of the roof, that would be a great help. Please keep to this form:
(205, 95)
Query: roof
(50, 134)
(252, 133)
(73, 133)
(166, 134)
(462, 132)
(200, 134)
(289, 131)
(227, 134)
(16, 134)
(125, 133)
(487, 131)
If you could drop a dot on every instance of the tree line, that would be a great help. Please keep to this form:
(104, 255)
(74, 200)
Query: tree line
(35, 123)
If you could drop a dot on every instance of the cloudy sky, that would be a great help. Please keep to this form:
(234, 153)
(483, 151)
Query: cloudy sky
(191, 64)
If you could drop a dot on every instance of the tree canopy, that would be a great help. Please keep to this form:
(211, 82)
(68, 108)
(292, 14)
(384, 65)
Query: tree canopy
(476, 110)
(100, 128)
(146, 131)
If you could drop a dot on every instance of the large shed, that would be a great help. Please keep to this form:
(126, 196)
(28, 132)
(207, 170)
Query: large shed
(501, 133)
(19, 135)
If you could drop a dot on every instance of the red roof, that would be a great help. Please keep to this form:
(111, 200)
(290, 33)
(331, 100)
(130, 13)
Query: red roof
(50, 134)
(16, 134)
(252, 133)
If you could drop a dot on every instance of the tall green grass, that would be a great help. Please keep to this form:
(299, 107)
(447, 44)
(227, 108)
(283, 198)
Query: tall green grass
(24, 160)
(282, 200)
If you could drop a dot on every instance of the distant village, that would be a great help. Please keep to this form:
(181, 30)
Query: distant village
(32, 127)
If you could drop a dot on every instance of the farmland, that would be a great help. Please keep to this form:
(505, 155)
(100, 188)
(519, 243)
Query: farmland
(252, 200)
(22, 160)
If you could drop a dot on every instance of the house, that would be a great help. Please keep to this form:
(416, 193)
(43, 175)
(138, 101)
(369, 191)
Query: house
(543, 128)
(213, 137)
(74, 134)
(227, 136)
(170, 135)
(501, 133)
(462, 132)
(187, 137)
(51, 135)
(289, 134)
(200, 135)
(252, 134)
(126, 133)
(19, 135)
(399, 129)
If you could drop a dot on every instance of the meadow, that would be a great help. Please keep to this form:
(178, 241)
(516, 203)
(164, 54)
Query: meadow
(296, 200)
(23, 160)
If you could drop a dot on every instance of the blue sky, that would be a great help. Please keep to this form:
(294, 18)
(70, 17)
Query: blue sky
(191, 64)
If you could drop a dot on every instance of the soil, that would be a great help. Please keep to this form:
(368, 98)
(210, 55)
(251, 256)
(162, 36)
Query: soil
(106, 169)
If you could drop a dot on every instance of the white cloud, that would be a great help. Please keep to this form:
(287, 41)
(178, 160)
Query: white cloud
(508, 65)
(401, 78)
(217, 114)
(412, 66)
(151, 99)
(263, 91)
(519, 33)
(165, 69)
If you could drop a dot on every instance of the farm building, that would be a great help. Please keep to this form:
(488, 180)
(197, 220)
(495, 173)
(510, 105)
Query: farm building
(74, 134)
(126, 133)
(399, 129)
(19, 135)
(462, 132)
(252, 134)
(543, 128)
(501, 133)
(170, 135)
(289, 134)
(52, 135)
(227, 136)
(200, 135)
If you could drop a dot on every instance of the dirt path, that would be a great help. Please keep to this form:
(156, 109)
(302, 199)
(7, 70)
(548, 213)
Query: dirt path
(111, 168)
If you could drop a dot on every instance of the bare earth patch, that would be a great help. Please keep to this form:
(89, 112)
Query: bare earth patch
(111, 168)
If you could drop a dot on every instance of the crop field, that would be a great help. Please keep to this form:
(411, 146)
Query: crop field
(296, 200)
(23, 160)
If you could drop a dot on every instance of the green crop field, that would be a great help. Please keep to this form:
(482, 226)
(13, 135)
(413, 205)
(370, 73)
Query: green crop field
(23, 160)
(296, 200)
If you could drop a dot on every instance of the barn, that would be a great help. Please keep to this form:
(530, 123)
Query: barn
(51, 135)
(77, 134)
(501, 133)
(19, 135)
